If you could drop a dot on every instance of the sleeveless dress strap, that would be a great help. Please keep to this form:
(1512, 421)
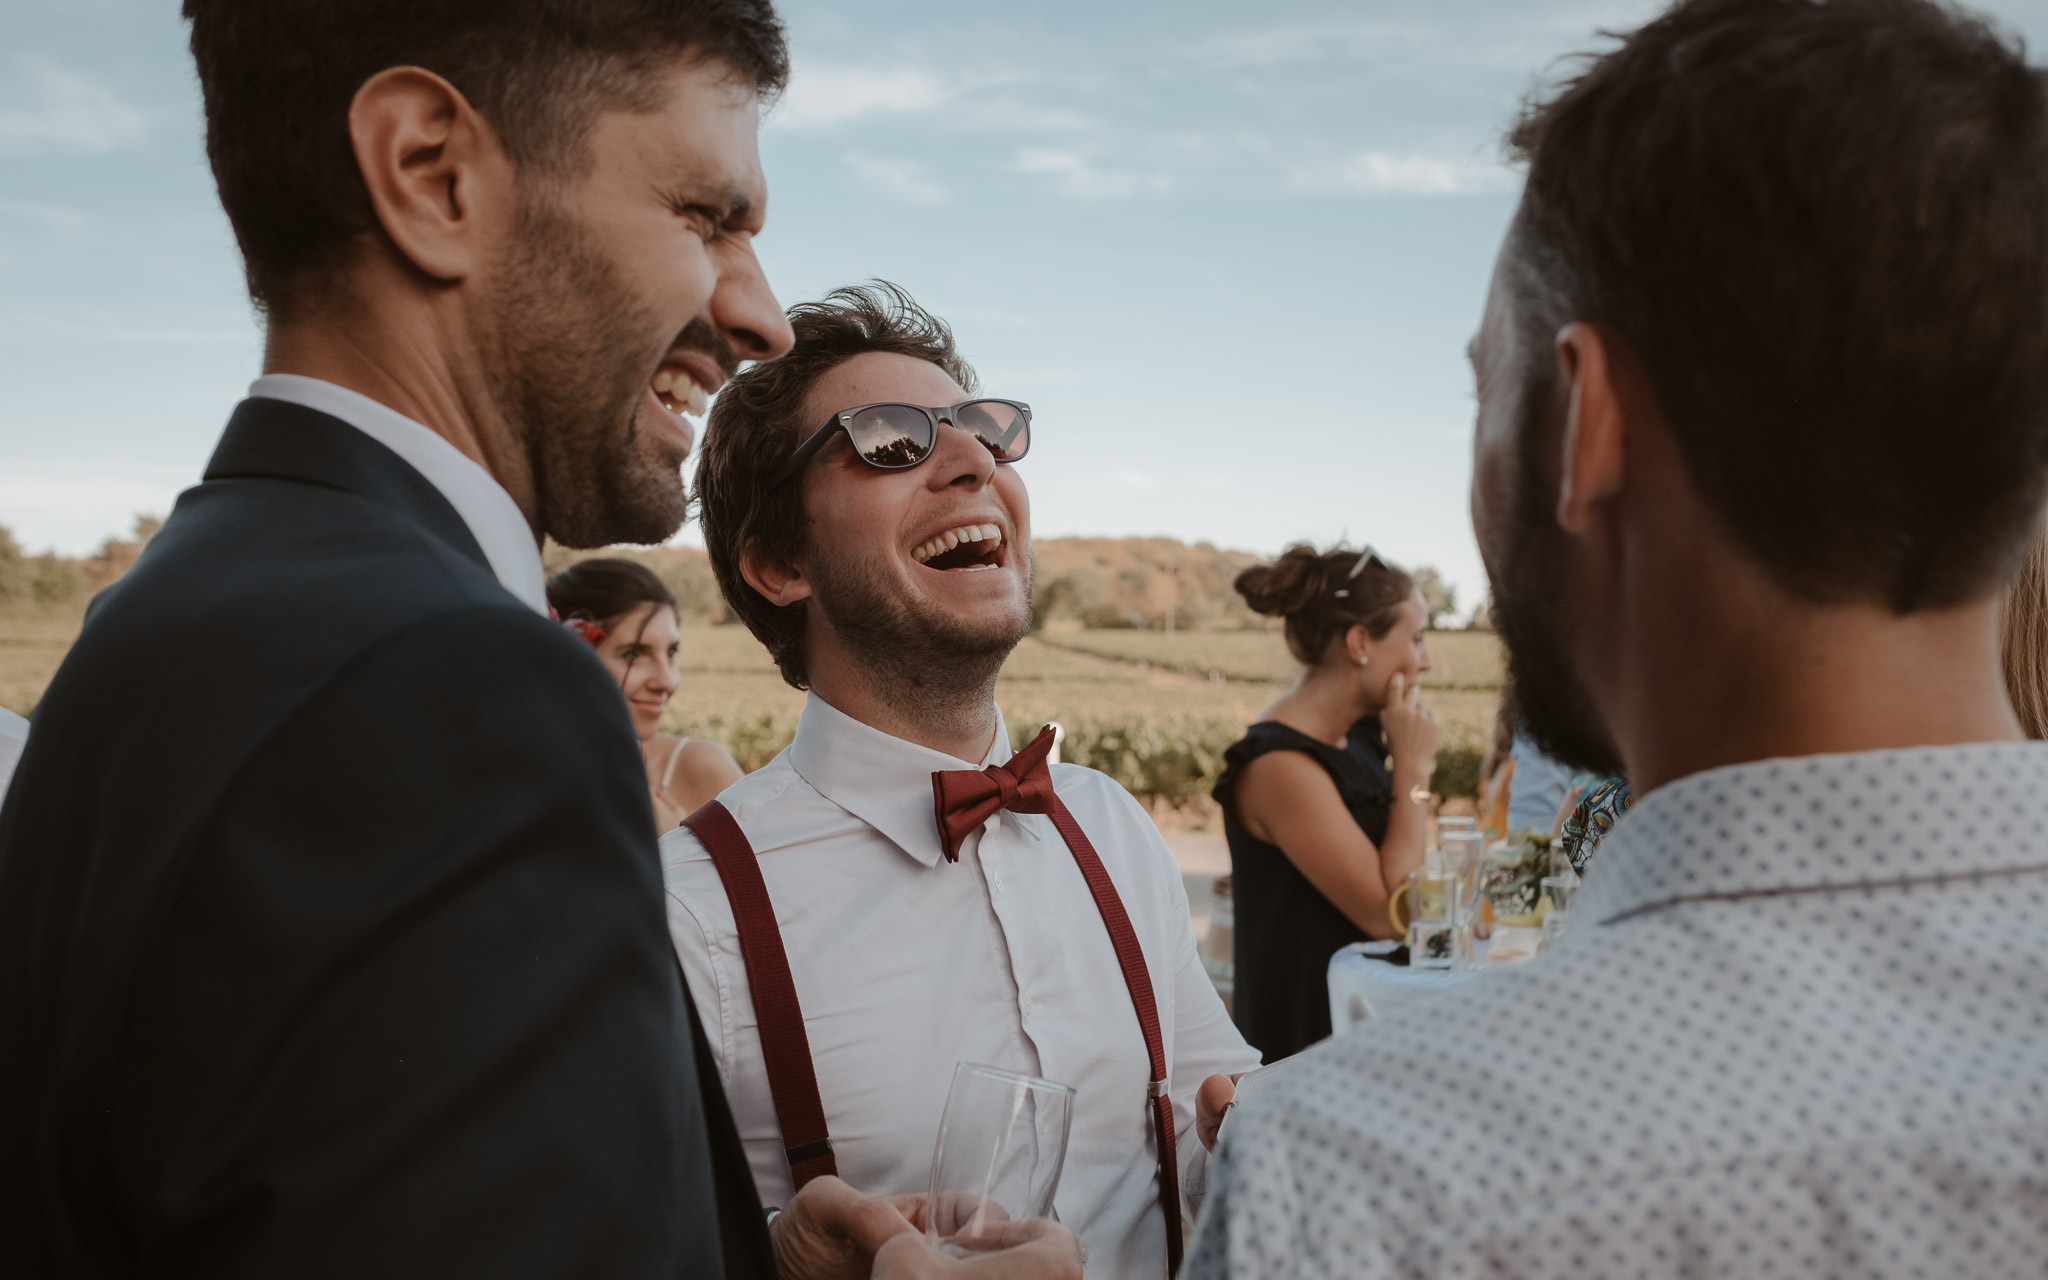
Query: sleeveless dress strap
(785, 1048)
(670, 770)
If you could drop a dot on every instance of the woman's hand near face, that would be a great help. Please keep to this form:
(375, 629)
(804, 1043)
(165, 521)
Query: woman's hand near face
(1410, 727)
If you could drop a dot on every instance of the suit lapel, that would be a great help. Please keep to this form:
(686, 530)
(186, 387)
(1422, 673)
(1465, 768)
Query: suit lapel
(277, 440)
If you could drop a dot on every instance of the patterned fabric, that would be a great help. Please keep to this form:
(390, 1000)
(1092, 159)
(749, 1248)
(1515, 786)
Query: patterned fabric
(1800, 1027)
(1603, 802)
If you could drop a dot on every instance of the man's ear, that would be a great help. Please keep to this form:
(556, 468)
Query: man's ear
(1595, 462)
(777, 582)
(431, 165)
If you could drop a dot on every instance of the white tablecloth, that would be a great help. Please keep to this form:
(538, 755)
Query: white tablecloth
(1364, 987)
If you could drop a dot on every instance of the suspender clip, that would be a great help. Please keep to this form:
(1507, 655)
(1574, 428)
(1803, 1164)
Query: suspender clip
(1154, 1089)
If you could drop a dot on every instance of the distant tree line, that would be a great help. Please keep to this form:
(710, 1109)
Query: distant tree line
(51, 582)
(1160, 584)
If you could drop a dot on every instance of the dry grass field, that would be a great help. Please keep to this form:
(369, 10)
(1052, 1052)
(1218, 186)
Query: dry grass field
(1467, 660)
(31, 647)
(1155, 711)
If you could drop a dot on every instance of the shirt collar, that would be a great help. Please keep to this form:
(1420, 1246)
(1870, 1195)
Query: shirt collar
(493, 518)
(884, 781)
(1825, 822)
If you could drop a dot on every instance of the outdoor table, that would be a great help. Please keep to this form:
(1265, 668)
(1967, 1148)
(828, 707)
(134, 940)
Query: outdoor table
(1364, 986)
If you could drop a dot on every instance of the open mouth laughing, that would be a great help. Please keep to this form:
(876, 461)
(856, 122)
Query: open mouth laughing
(679, 392)
(966, 548)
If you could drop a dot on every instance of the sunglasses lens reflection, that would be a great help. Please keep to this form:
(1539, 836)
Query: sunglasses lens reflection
(892, 435)
(1005, 431)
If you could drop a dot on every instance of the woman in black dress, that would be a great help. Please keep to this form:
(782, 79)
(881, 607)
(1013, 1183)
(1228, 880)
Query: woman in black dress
(1324, 798)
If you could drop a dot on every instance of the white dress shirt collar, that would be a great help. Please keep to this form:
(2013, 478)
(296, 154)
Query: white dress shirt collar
(882, 780)
(13, 740)
(1810, 823)
(493, 518)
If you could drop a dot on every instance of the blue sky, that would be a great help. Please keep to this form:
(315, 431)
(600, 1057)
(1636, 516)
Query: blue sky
(1230, 253)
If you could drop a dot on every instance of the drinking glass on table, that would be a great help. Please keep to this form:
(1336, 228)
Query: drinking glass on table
(1462, 849)
(1002, 1142)
(1558, 891)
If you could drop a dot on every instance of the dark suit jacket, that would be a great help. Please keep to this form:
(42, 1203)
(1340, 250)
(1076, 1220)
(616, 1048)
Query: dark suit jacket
(331, 926)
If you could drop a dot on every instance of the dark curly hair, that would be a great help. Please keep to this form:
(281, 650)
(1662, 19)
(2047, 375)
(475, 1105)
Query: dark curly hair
(758, 422)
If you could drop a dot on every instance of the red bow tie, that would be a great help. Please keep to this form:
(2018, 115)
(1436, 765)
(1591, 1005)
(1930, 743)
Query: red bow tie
(963, 799)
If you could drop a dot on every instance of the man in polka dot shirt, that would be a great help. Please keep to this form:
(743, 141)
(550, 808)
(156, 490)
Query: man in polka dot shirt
(1762, 429)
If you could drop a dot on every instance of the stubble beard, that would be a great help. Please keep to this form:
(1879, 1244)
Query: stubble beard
(934, 667)
(571, 368)
(1532, 614)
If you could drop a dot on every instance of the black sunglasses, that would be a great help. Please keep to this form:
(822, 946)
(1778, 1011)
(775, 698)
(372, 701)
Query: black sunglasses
(894, 437)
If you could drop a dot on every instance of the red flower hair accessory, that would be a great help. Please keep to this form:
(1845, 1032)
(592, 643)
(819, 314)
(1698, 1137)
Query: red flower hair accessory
(591, 632)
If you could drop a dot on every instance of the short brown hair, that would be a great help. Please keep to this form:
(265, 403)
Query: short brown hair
(1323, 594)
(759, 421)
(278, 77)
(1822, 225)
(2023, 638)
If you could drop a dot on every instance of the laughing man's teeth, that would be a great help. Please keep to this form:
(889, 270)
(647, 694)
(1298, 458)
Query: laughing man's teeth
(680, 392)
(983, 537)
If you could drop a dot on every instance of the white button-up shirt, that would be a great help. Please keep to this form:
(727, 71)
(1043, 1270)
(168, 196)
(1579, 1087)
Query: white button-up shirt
(906, 965)
(13, 738)
(1799, 1026)
(489, 512)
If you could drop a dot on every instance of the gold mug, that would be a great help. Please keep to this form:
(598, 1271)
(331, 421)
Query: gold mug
(1428, 893)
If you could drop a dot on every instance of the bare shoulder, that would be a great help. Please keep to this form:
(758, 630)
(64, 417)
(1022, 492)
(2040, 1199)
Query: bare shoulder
(705, 763)
(690, 771)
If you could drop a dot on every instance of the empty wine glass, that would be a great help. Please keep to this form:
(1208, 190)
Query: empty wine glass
(1002, 1142)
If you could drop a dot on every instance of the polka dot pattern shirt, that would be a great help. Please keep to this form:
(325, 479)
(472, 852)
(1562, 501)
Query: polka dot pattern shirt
(1799, 1028)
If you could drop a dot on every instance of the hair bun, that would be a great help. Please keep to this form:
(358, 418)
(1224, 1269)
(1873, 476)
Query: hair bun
(1288, 584)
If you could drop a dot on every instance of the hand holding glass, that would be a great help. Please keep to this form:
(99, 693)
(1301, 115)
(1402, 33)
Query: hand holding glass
(1002, 1142)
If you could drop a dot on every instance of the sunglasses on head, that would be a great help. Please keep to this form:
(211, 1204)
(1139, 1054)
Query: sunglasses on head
(895, 437)
(1367, 559)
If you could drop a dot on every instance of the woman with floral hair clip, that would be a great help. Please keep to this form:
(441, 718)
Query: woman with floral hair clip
(628, 617)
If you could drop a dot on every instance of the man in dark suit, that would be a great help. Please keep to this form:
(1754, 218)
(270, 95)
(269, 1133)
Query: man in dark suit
(331, 936)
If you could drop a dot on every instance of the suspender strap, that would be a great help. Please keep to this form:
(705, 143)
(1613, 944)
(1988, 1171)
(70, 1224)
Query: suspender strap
(1132, 960)
(784, 1046)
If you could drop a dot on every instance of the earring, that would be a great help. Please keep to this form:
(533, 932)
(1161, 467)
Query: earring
(1363, 659)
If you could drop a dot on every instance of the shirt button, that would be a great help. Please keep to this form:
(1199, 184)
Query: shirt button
(995, 882)
(1025, 1004)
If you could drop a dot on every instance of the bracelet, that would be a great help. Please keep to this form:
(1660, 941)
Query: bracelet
(1418, 794)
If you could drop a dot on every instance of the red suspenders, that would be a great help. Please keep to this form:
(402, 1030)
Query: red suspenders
(784, 1045)
(787, 1050)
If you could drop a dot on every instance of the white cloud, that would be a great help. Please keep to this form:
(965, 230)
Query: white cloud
(1387, 173)
(51, 109)
(903, 179)
(1076, 174)
(820, 97)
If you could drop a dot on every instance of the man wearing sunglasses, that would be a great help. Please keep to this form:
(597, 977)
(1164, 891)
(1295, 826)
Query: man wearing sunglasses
(897, 893)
